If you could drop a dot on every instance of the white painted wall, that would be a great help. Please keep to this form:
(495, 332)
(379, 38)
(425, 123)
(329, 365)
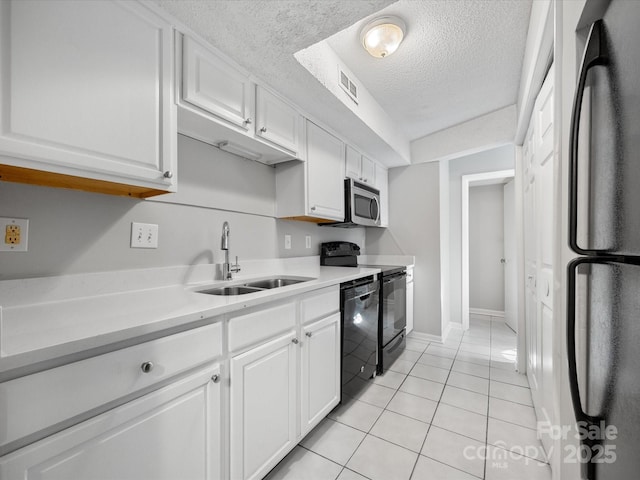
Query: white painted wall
(488, 131)
(501, 158)
(77, 232)
(486, 247)
(322, 62)
(414, 229)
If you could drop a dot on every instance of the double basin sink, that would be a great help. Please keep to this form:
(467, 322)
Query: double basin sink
(255, 286)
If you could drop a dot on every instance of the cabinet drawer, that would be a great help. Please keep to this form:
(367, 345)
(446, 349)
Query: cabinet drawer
(245, 330)
(320, 303)
(41, 400)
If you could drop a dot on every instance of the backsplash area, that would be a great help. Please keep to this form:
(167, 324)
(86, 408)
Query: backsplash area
(78, 232)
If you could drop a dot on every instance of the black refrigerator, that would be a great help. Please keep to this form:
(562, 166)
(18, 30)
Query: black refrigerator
(603, 317)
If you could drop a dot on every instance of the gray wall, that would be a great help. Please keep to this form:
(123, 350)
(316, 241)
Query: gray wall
(414, 213)
(486, 247)
(78, 232)
(502, 158)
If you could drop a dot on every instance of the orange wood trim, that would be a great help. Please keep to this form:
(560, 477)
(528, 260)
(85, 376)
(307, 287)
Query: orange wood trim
(10, 173)
(303, 218)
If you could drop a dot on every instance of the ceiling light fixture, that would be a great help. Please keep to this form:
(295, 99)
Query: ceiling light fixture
(382, 36)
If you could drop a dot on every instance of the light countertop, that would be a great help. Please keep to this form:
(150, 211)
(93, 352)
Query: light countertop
(41, 320)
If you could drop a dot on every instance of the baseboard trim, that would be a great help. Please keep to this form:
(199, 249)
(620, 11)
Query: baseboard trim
(484, 311)
(425, 337)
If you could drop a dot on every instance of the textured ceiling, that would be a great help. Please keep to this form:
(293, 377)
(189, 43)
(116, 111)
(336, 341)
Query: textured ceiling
(460, 59)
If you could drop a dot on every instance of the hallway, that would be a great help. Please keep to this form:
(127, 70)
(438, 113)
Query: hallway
(452, 411)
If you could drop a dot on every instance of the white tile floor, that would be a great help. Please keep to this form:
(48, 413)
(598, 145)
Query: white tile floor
(452, 411)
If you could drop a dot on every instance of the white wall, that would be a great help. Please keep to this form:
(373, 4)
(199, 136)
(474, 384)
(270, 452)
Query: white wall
(414, 216)
(501, 158)
(488, 131)
(76, 232)
(486, 247)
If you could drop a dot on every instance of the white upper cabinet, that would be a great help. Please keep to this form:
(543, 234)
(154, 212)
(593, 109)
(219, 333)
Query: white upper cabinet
(277, 122)
(359, 167)
(212, 85)
(85, 91)
(325, 163)
(217, 105)
(313, 190)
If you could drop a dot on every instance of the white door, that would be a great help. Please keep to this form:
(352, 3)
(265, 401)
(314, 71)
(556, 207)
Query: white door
(263, 407)
(174, 432)
(325, 174)
(538, 204)
(510, 275)
(320, 370)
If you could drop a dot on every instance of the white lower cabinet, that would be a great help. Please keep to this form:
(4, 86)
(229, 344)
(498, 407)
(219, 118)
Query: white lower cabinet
(320, 371)
(263, 407)
(410, 288)
(171, 433)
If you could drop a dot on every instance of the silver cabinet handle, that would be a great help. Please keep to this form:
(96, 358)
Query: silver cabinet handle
(295, 340)
(146, 367)
(168, 174)
(247, 121)
(313, 209)
(308, 334)
(263, 129)
(215, 378)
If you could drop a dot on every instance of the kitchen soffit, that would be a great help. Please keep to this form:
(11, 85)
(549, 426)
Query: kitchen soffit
(460, 59)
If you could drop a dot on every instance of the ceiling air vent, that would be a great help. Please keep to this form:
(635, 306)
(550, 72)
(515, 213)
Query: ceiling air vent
(348, 86)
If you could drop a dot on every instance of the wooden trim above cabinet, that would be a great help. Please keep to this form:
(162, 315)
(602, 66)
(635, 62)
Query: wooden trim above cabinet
(10, 173)
(304, 218)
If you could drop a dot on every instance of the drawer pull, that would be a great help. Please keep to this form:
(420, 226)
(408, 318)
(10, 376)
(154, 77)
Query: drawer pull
(146, 367)
(295, 340)
(215, 378)
(308, 334)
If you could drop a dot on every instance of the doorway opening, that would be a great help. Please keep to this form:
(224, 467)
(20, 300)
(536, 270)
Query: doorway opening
(507, 261)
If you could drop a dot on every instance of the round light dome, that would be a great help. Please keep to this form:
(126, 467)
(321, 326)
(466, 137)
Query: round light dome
(382, 36)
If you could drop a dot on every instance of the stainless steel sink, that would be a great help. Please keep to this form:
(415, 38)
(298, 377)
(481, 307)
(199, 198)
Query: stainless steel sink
(256, 286)
(236, 290)
(274, 282)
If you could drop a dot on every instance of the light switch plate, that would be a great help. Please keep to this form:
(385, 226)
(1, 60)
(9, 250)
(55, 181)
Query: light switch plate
(14, 234)
(287, 242)
(307, 241)
(144, 235)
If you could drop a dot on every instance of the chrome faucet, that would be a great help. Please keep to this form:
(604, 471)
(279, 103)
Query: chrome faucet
(227, 269)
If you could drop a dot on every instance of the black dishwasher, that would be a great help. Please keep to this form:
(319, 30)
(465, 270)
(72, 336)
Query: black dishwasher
(359, 314)
(392, 330)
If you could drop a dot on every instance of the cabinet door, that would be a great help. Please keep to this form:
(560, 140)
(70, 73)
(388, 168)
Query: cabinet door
(368, 171)
(352, 163)
(276, 121)
(325, 170)
(174, 432)
(382, 184)
(215, 87)
(85, 90)
(263, 407)
(320, 370)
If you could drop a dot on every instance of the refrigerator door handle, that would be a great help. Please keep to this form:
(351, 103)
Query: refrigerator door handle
(594, 54)
(572, 269)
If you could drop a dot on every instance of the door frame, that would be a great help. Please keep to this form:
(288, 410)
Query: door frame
(476, 179)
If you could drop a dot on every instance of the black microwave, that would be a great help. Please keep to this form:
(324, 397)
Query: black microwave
(362, 206)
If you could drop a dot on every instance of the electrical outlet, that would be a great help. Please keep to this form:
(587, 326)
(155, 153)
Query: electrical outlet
(15, 232)
(287, 242)
(144, 235)
(307, 241)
